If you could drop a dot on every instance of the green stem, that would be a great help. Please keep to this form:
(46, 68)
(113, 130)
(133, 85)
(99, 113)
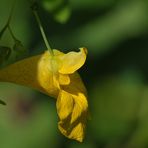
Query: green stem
(42, 31)
(10, 30)
(9, 19)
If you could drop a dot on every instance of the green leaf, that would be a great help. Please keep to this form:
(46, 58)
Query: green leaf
(2, 102)
(59, 9)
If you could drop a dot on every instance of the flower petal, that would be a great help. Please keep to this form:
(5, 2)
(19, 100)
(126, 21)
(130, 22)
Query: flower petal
(57, 52)
(23, 72)
(64, 79)
(47, 76)
(64, 105)
(72, 111)
(76, 85)
(79, 108)
(75, 132)
(35, 72)
(72, 61)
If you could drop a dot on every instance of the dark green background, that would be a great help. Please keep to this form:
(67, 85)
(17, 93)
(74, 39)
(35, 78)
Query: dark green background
(115, 74)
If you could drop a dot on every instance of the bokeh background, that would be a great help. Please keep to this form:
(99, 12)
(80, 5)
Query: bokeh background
(115, 74)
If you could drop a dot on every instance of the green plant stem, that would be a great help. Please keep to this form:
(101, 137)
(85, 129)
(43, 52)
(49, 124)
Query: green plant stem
(9, 19)
(42, 31)
(14, 38)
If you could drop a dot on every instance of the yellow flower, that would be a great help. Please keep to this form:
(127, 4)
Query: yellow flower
(56, 76)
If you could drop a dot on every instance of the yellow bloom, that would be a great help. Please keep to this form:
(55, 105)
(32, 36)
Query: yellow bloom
(56, 76)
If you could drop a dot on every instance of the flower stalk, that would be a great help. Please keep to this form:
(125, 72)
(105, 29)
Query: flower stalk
(11, 33)
(34, 9)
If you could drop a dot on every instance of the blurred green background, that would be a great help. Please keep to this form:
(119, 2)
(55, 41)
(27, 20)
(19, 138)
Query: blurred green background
(115, 74)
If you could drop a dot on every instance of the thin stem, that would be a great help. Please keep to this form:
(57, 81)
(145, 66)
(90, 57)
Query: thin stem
(9, 19)
(10, 30)
(42, 31)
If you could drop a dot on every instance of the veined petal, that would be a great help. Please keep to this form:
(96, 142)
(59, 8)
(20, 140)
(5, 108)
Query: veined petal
(64, 105)
(72, 61)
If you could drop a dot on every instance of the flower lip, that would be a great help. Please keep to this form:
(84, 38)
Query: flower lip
(72, 61)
